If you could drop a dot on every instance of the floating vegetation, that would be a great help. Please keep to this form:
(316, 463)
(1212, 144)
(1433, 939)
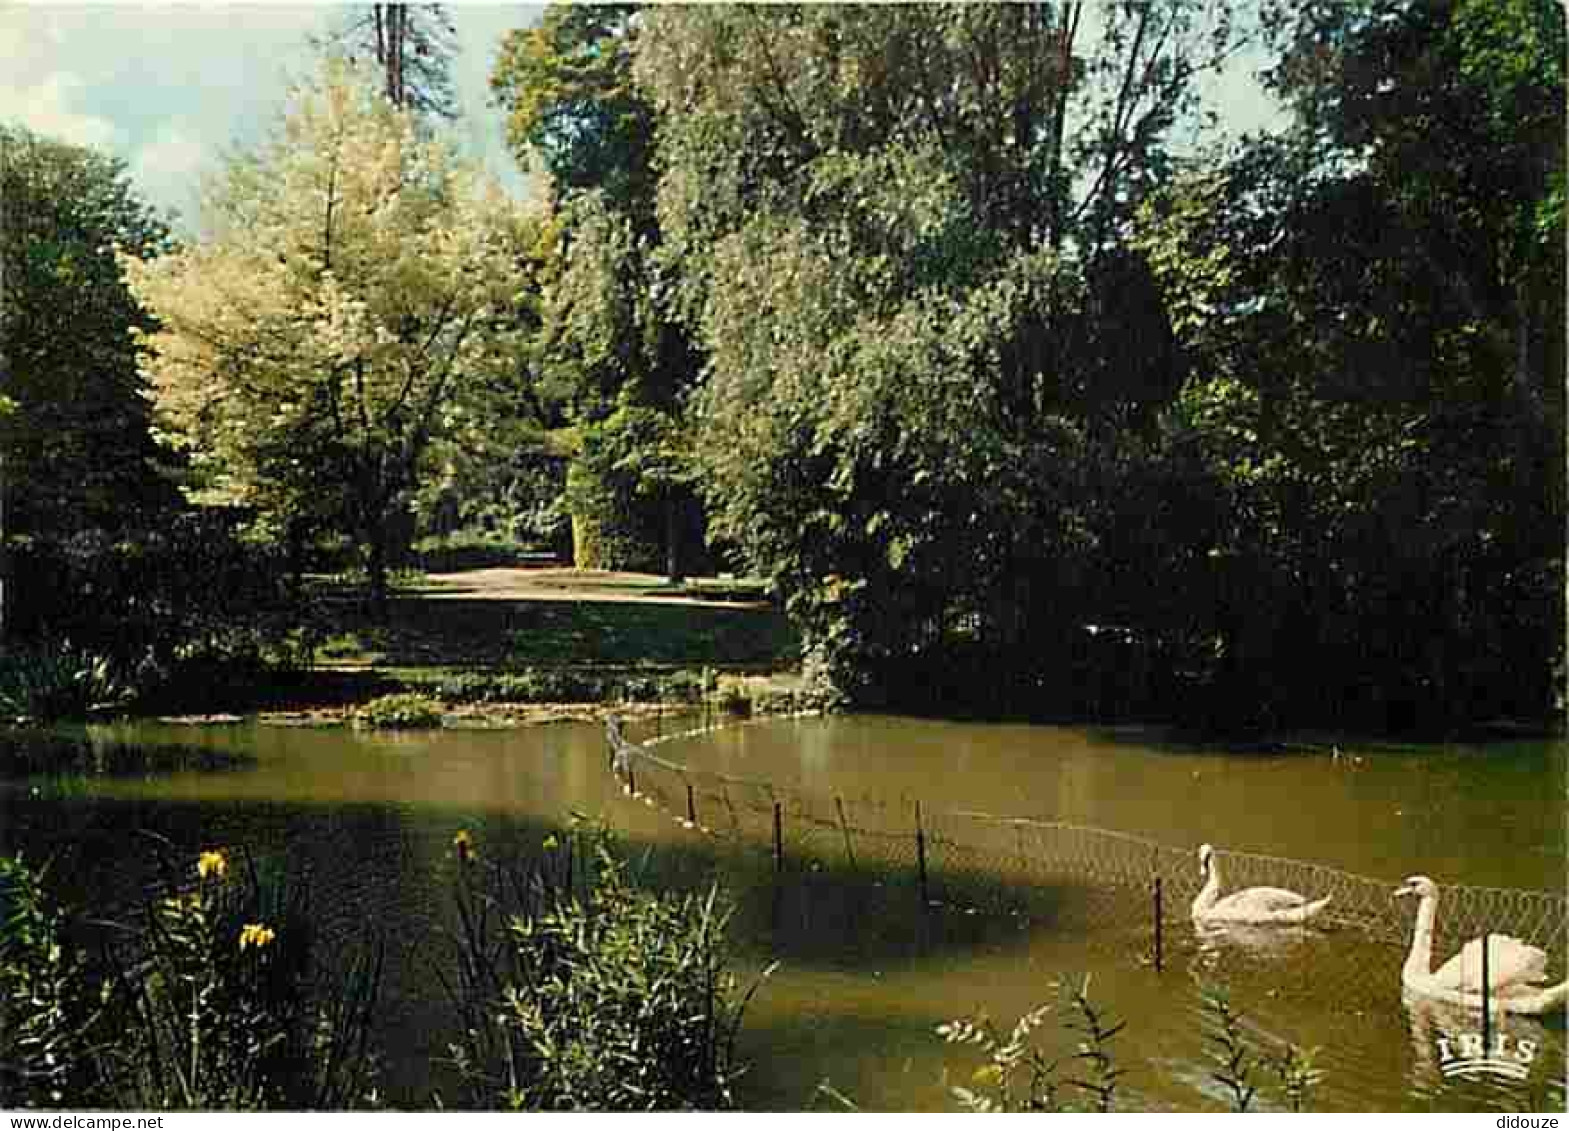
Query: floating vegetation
(406, 710)
(26, 753)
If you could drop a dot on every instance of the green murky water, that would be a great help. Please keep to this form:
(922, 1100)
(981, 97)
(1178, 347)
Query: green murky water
(866, 972)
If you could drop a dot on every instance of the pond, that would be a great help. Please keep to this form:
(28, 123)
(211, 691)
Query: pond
(867, 970)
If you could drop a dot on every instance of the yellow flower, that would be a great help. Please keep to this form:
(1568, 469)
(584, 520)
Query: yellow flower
(211, 863)
(255, 934)
(988, 1074)
(464, 843)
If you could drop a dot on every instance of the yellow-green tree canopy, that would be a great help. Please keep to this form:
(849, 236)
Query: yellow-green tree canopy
(357, 285)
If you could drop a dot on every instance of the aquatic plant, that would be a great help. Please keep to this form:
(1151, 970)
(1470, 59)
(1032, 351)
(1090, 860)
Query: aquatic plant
(224, 1009)
(59, 681)
(1235, 1058)
(577, 991)
(403, 710)
(1019, 1076)
(54, 1013)
(571, 685)
(210, 1003)
(1228, 1049)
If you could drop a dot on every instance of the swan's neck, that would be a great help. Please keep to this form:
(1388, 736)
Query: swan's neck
(1419, 963)
(1210, 892)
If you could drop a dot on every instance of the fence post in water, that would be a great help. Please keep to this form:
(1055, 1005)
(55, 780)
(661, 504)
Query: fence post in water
(1159, 920)
(920, 852)
(691, 804)
(778, 837)
(1487, 1013)
(844, 827)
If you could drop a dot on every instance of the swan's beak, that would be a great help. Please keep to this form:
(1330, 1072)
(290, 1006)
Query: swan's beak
(1403, 889)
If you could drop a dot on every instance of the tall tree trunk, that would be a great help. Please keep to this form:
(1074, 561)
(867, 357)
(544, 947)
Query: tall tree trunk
(673, 537)
(376, 566)
(296, 563)
(5, 558)
(391, 30)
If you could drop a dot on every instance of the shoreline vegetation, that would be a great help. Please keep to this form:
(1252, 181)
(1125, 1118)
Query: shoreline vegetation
(1064, 421)
(486, 647)
(492, 647)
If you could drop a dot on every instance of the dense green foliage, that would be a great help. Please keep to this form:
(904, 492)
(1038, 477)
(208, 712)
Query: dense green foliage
(905, 269)
(400, 710)
(413, 44)
(231, 1013)
(1367, 508)
(569, 685)
(1020, 411)
(356, 297)
(576, 991)
(1019, 1074)
(52, 1018)
(603, 998)
(947, 320)
(214, 1003)
(613, 362)
(98, 548)
(58, 682)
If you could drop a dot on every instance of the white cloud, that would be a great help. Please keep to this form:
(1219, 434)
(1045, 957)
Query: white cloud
(169, 87)
(45, 107)
(168, 168)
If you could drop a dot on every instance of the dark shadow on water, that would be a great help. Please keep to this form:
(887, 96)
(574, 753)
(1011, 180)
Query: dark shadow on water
(28, 752)
(389, 871)
(1169, 739)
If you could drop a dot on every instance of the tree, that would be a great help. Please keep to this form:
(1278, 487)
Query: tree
(77, 452)
(573, 110)
(887, 228)
(1372, 307)
(608, 350)
(356, 286)
(413, 44)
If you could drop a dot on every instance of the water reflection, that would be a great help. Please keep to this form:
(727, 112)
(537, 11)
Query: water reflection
(869, 969)
(1257, 942)
(1517, 1064)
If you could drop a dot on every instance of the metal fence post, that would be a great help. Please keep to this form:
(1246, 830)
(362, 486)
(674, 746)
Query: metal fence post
(920, 852)
(844, 827)
(1487, 1013)
(778, 837)
(1159, 923)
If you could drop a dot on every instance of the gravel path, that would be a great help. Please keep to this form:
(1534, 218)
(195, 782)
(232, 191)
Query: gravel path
(563, 584)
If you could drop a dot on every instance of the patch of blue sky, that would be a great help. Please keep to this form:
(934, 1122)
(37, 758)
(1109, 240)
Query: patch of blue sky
(169, 88)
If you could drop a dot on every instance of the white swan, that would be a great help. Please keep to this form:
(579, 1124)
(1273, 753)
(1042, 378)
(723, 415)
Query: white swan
(1515, 970)
(1251, 905)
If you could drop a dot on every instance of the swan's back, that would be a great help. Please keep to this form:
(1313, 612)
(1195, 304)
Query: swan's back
(1264, 899)
(1510, 963)
(1263, 905)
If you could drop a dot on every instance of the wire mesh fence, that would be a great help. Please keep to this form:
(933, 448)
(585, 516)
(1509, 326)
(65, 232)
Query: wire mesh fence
(1130, 890)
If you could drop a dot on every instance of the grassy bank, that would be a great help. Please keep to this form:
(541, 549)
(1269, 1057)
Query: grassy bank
(486, 639)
